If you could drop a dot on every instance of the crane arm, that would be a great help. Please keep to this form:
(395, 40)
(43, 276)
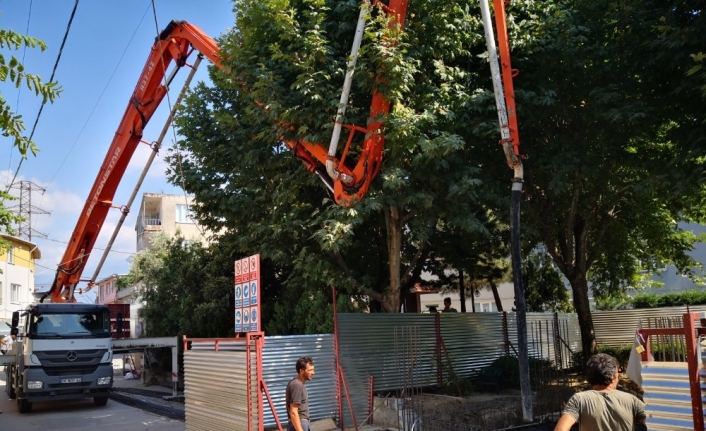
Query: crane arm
(174, 44)
(350, 182)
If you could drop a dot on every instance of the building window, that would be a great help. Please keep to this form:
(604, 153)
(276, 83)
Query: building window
(183, 214)
(14, 293)
(11, 254)
(488, 307)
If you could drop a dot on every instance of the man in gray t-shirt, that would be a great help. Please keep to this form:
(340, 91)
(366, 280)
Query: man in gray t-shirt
(604, 408)
(297, 398)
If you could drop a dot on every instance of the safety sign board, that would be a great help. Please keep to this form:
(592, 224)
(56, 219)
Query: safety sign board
(247, 294)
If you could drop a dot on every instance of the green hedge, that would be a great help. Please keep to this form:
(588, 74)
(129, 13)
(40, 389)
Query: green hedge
(511, 370)
(687, 297)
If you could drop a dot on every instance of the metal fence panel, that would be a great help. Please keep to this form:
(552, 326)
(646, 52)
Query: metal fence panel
(279, 357)
(667, 396)
(367, 347)
(473, 340)
(215, 390)
(617, 327)
(552, 339)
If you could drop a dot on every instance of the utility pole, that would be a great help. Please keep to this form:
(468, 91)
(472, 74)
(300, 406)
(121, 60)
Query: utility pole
(26, 210)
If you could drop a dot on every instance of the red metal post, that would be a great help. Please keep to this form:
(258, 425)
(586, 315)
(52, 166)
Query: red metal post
(336, 356)
(371, 399)
(348, 398)
(694, 378)
(261, 384)
(248, 359)
(263, 387)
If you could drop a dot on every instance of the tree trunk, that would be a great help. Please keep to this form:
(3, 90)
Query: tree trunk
(496, 296)
(473, 297)
(579, 286)
(462, 291)
(393, 222)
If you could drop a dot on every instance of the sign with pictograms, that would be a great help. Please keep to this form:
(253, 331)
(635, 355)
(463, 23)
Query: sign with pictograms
(238, 320)
(247, 294)
(253, 292)
(239, 295)
(254, 316)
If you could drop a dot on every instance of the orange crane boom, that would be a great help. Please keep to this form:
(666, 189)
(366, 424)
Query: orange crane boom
(175, 44)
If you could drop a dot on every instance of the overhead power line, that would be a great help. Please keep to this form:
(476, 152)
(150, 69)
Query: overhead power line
(51, 79)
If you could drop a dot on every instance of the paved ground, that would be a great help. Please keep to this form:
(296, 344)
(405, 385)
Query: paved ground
(150, 398)
(83, 415)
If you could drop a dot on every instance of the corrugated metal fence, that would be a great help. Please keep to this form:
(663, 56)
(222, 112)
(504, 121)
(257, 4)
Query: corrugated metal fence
(279, 357)
(368, 347)
(617, 327)
(215, 381)
(473, 341)
(215, 389)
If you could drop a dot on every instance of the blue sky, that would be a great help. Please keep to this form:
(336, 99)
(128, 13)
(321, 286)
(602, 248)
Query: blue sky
(105, 51)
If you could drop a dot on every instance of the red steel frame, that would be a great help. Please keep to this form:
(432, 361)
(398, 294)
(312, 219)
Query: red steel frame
(691, 334)
(254, 342)
(371, 399)
(340, 376)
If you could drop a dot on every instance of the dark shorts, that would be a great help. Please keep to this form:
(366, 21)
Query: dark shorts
(306, 426)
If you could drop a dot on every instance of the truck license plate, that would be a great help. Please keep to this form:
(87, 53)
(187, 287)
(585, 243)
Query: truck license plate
(76, 380)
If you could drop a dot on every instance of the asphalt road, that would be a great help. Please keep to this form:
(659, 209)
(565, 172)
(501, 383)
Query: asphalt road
(79, 415)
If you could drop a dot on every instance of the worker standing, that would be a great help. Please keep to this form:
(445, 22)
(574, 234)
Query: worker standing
(447, 306)
(297, 397)
(603, 408)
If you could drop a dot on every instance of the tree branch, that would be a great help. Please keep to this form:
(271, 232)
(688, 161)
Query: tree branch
(413, 264)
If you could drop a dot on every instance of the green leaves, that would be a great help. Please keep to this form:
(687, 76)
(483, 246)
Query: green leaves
(11, 123)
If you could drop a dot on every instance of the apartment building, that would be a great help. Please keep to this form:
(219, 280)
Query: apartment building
(16, 275)
(166, 213)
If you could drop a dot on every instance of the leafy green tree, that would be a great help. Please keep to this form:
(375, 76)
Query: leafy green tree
(182, 292)
(289, 60)
(11, 124)
(600, 186)
(606, 180)
(468, 261)
(545, 289)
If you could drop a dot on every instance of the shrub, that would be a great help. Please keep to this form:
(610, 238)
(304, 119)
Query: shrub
(511, 370)
(687, 297)
(622, 353)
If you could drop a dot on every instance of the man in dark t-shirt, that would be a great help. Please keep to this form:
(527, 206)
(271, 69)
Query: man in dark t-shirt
(297, 398)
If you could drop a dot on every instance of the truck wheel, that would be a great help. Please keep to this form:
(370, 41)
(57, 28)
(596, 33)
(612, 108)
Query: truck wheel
(100, 401)
(23, 406)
